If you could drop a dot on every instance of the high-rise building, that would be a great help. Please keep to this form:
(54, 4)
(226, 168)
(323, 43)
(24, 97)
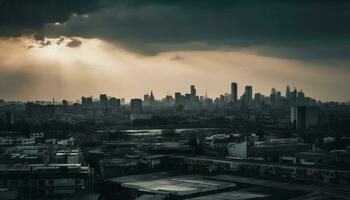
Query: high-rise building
(193, 91)
(168, 100)
(146, 99)
(83, 100)
(304, 117)
(248, 94)
(103, 100)
(278, 95)
(136, 105)
(114, 102)
(273, 96)
(234, 91)
(152, 100)
(89, 100)
(301, 98)
(64, 102)
(293, 96)
(258, 97)
(288, 92)
(273, 91)
(179, 99)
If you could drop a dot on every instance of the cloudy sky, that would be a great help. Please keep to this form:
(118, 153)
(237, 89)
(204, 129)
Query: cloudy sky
(64, 49)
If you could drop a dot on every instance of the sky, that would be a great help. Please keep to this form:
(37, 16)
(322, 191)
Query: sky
(66, 49)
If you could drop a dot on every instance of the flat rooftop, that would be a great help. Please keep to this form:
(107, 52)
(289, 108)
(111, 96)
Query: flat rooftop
(159, 183)
(236, 195)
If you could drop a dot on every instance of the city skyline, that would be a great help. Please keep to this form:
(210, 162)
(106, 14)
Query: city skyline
(239, 94)
(49, 49)
(174, 99)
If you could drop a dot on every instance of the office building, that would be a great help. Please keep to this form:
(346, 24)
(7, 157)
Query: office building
(287, 92)
(193, 91)
(152, 100)
(136, 105)
(233, 92)
(103, 100)
(248, 94)
(114, 102)
(304, 117)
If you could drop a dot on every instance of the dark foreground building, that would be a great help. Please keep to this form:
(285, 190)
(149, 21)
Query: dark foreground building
(163, 185)
(44, 181)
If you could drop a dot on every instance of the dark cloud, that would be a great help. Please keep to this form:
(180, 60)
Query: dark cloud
(310, 29)
(74, 43)
(18, 17)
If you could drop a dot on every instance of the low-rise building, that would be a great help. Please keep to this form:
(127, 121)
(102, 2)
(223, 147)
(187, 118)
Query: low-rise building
(41, 181)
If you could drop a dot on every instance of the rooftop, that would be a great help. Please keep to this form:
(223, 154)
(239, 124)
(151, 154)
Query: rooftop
(236, 195)
(41, 168)
(164, 183)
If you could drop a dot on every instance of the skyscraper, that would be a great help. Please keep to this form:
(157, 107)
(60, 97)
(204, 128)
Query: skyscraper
(248, 94)
(83, 100)
(152, 100)
(193, 91)
(233, 91)
(146, 99)
(273, 96)
(288, 92)
(114, 102)
(103, 100)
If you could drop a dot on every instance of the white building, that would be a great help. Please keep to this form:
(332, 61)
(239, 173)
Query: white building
(237, 149)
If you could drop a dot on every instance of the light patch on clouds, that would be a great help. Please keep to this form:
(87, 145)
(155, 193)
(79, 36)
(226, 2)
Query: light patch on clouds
(57, 71)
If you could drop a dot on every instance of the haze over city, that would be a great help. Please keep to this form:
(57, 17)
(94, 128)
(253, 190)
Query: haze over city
(174, 99)
(59, 49)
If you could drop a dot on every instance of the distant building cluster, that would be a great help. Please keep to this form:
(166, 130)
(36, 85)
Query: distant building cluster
(184, 146)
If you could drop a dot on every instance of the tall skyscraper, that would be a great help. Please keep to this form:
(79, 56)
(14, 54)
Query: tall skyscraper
(234, 91)
(273, 96)
(293, 96)
(301, 98)
(248, 94)
(193, 91)
(152, 100)
(288, 92)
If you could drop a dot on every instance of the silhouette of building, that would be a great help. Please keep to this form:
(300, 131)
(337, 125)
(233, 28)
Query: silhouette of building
(136, 105)
(146, 99)
(83, 101)
(233, 92)
(152, 100)
(248, 94)
(193, 91)
(103, 100)
(114, 102)
(288, 92)
(179, 99)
